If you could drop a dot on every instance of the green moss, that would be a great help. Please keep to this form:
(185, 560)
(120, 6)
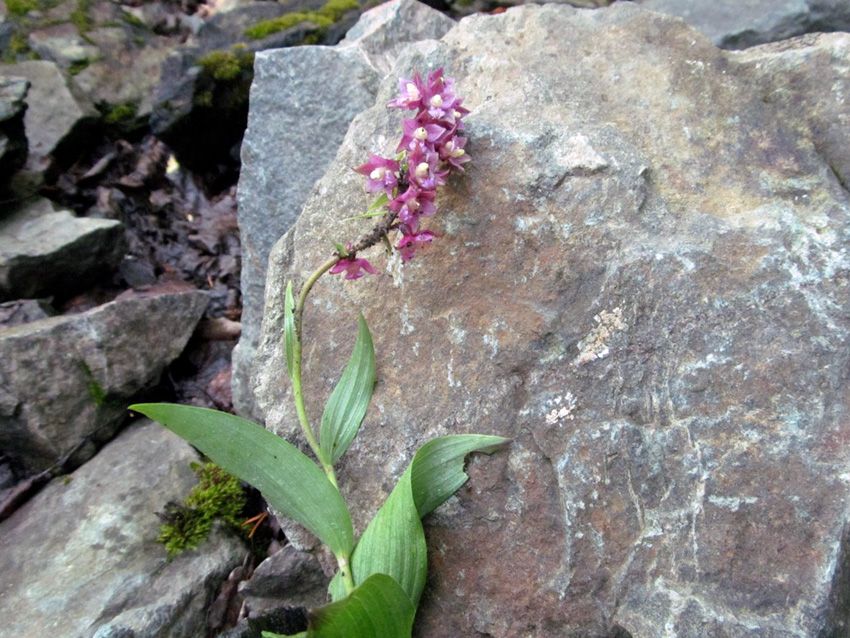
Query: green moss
(330, 12)
(20, 8)
(78, 66)
(225, 66)
(81, 18)
(131, 20)
(217, 496)
(121, 113)
(225, 79)
(18, 48)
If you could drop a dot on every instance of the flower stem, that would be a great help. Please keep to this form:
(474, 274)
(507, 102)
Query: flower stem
(297, 391)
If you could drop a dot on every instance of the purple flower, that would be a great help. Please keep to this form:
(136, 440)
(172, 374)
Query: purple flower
(413, 204)
(352, 267)
(454, 153)
(417, 132)
(425, 169)
(410, 94)
(409, 243)
(381, 174)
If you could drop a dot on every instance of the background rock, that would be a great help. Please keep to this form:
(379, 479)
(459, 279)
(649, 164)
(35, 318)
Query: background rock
(807, 78)
(13, 141)
(81, 558)
(59, 118)
(45, 252)
(302, 102)
(205, 84)
(737, 24)
(643, 280)
(65, 379)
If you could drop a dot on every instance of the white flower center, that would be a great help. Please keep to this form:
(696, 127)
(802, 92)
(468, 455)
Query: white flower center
(378, 173)
(412, 91)
(413, 204)
(420, 134)
(457, 114)
(437, 101)
(422, 170)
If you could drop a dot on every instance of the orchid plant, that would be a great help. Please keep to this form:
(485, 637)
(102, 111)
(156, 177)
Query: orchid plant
(380, 577)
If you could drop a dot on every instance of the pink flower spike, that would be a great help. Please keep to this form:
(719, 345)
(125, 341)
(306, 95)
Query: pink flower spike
(353, 268)
(409, 243)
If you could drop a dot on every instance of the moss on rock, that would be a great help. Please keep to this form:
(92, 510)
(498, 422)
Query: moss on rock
(217, 496)
(330, 12)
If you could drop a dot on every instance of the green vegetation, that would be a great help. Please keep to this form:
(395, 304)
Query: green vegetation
(20, 8)
(226, 66)
(78, 66)
(225, 78)
(331, 12)
(218, 495)
(18, 48)
(118, 114)
(131, 20)
(81, 17)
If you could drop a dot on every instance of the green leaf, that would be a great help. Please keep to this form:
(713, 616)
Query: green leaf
(288, 480)
(289, 328)
(394, 541)
(349, 401)
(378, 608)
(375, 210)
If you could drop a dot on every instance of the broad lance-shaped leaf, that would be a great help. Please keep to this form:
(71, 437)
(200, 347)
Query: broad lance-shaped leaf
(289, 327)
(394, 541)
(349, 401)
(288, 480)
(378, 608)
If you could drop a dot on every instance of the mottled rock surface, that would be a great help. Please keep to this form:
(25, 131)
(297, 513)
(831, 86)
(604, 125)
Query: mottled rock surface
(737, 24)
(643, 280)
(13, 141)
(58, 116)
(46, 252)
(81, 559)
(68, 379)
(808, 78)
(302, 102)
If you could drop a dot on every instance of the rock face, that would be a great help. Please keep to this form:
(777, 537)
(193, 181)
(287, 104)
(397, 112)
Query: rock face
(642, 279)
(58, 115)
(737, 24)
(46, 252)
(305, 98)
(67, 379)
(13, 141)
(82, 556)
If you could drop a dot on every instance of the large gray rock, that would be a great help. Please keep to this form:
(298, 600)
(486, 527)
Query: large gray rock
(737, 24)
(81, 559)
(59, 117)
(45, 252)
(642, 278)
(302, 102)
(383, 32)
(13, 140)
(68, 379)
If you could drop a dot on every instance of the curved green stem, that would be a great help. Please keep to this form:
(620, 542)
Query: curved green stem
(297, 392)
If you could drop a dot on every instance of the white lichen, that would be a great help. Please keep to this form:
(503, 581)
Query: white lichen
(594, 346)
(562, 409)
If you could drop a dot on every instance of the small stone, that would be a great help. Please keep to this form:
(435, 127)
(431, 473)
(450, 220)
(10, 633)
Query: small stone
(59, 117)
(45, 252)
(68, 379)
